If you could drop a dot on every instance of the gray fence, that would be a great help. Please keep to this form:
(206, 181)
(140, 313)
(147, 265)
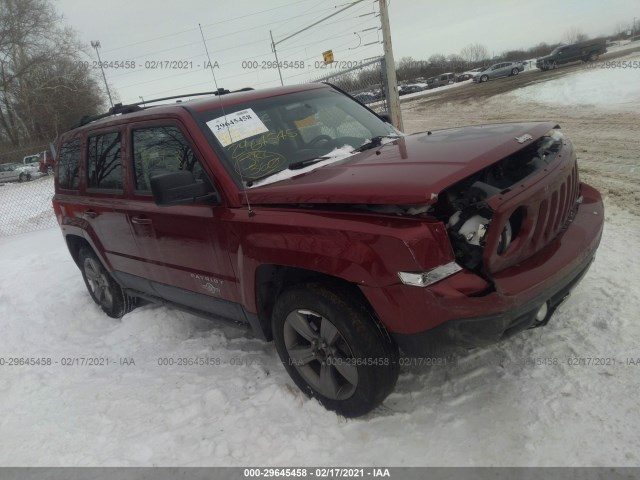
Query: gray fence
(26, 206)
(362, 79)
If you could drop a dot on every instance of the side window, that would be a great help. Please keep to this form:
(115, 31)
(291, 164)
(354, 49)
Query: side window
(69, 164)
(161, 149)
(104, 168)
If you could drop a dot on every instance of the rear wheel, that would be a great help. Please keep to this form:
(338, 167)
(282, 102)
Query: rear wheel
(593, 57)
(104, 290)
(484, 78)
(333, 349)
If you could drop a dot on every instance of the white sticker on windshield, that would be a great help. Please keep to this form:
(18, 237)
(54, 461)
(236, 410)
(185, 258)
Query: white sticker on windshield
(236, 126)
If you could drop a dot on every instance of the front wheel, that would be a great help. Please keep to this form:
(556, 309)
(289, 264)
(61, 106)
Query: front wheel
(515, 71)
(104, 290)
(593, 57)
(333, 349)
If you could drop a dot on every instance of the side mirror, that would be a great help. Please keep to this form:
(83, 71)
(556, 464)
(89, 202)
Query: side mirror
(179, 188)
(385, 116)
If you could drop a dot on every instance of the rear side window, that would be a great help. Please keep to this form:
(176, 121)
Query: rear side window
(104, 168)
(159, 150)
(68, 165)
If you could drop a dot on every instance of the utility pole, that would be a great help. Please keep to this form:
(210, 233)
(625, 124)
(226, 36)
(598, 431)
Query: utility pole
(390, 65)
(96, 44)
(273, 47)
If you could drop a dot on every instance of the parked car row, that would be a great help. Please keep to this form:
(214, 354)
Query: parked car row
(585, 51)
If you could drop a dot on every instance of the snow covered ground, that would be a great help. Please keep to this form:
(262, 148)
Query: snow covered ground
(613, 85)
(25, 207)
(517, 403)
(565, 394)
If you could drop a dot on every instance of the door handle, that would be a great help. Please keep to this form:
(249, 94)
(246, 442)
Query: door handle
(141, 221)
(89, 214)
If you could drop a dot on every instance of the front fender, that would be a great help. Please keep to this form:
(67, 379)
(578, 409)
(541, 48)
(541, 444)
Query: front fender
(364, 249)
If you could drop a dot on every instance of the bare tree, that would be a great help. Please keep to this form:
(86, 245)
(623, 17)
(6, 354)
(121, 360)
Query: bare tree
(456, 62)
(620, 30)
(438, 60)
(474, 53)
(574, 35)
(42, 80)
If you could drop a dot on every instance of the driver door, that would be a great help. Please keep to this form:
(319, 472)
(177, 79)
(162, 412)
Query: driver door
(183, 247)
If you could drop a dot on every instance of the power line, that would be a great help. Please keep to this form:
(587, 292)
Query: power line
(206, 26)
(181, 74)
(210, 38)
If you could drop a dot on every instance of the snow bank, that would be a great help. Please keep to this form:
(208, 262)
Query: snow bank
(603, 84)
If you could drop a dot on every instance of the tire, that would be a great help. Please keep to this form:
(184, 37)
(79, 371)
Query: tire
(484, 78)
(49, 170)
(515, 71)
(333, 349)
(22, 177)
(592, 57)
(104, 290)
(554, 65)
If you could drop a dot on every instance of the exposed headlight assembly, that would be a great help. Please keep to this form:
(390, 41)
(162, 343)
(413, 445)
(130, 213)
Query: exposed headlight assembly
(424, 279)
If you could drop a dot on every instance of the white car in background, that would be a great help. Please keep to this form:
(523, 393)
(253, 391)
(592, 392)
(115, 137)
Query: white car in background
(12, 172)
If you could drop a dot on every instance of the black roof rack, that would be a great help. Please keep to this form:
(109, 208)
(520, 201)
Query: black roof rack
(119, 108)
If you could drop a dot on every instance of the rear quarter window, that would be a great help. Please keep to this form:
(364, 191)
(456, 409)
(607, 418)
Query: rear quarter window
(104, 166)
(68, 165)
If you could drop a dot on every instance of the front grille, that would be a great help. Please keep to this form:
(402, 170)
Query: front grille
(554, 212)
(546, 212)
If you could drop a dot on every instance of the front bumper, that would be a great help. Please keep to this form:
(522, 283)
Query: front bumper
(439, 318)
(467, 333)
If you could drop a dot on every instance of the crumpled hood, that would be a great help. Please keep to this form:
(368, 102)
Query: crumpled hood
(411, 170)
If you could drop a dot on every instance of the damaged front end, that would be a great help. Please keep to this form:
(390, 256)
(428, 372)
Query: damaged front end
(468, 208)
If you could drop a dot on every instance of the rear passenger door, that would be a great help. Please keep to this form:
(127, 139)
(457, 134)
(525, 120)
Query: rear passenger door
(104, 206)
(183, 247)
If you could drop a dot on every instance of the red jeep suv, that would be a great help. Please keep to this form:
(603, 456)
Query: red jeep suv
(305, 215)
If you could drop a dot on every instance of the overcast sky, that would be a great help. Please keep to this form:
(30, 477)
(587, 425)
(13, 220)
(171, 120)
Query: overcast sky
(238, 31)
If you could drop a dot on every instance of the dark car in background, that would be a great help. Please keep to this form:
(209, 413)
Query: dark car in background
(574, 52)
(441, 80)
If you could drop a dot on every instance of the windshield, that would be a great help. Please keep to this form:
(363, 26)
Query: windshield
(267, 136)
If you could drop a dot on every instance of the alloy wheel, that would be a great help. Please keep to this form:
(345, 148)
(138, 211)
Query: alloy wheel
(320, 354)
(98, 282)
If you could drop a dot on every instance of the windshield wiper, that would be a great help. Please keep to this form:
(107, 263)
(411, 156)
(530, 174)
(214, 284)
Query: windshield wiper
(293, 166)
(307, 162)
(374, 142)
